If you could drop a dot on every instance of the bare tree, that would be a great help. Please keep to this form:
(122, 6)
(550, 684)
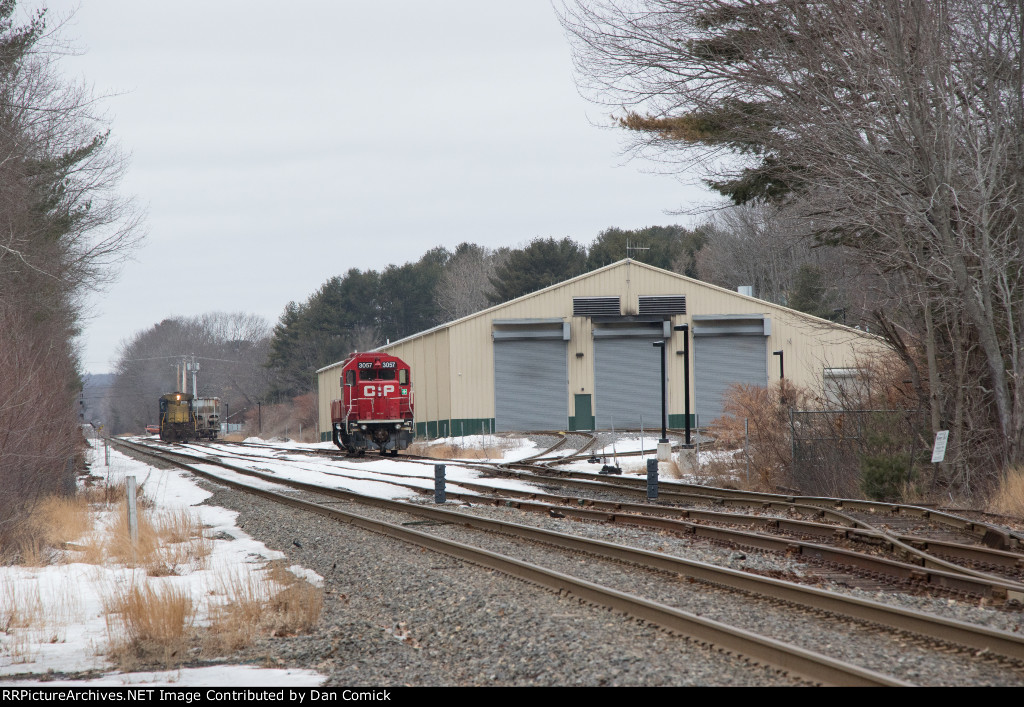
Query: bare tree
(230, 350)
(63, 228)
(466, 280)
(892, 127)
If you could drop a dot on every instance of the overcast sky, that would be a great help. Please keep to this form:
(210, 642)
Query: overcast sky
(274, 145)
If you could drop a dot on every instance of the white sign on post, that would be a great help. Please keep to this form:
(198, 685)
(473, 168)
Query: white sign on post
(939, 452)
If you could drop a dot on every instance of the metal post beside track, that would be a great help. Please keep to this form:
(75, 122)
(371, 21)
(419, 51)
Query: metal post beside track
(438, 483)
(652, 479)
(133, 514)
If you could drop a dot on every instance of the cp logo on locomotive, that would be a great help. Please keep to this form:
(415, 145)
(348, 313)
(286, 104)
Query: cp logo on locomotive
(370, 391)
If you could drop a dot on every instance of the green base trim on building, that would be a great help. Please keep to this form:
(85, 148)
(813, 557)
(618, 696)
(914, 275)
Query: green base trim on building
(587, 426)
(678, 422)
(459, 427)
(675, 422)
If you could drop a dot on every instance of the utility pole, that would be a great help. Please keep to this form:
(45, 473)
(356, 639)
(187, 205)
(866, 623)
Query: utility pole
(194, 368)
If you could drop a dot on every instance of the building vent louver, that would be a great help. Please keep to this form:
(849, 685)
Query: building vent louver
(596, 306)
(663, 304)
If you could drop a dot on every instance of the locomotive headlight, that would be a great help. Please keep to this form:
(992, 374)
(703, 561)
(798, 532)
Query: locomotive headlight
(398, 426)
(363, 427)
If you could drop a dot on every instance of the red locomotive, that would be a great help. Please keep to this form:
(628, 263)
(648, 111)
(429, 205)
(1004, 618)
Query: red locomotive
(376, 407)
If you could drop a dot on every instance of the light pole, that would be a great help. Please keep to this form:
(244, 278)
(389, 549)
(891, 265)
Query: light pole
(685, 328)
(782, 377)
(664, 414)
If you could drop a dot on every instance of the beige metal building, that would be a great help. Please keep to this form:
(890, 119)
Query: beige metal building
(580, 355)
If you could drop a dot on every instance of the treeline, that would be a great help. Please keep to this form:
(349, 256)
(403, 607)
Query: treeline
(364, 309)
(228, 349)
(248, 363)
(62, 229)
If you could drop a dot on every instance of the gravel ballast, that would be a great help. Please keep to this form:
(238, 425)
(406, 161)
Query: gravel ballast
(398, 615)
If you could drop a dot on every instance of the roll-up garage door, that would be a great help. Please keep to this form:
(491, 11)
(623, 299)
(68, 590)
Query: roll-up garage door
(627, 372)
(531, 383)
(720, 360)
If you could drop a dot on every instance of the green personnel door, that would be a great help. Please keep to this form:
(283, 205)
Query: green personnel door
(584, 418)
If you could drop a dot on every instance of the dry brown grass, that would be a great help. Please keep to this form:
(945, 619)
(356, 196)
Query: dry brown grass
(727, 470)
(53, 523)
(168, 543)
(1009, 497)
(274, 601)
(454, 450)
(118, 544)
(19, 608)
(63, 520)
(20, 611)
(670, 469)
(147, 626)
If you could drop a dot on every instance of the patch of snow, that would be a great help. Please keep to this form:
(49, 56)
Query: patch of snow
(70, 634)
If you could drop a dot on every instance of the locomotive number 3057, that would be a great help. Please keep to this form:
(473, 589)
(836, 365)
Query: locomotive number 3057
(383, 364)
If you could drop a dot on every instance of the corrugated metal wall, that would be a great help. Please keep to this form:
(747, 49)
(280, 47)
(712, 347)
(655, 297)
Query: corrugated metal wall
(721, 361)
(530, 385)
(627, 393)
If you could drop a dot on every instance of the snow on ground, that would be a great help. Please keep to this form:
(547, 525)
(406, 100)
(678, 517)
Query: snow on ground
(72, 636)
(368, 477)
(511, 448)
(608, 451)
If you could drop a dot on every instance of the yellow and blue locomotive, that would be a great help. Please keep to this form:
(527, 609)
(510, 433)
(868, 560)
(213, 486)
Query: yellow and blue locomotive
(177, 419)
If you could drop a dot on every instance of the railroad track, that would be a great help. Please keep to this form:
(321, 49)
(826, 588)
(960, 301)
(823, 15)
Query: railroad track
(988, 533)
(797, 661)
(844, 544)
(866, 515)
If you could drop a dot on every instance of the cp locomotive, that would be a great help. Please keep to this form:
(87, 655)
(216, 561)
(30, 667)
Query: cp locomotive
(177, 420)
(376, 409)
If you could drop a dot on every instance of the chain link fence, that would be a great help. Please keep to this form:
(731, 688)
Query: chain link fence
(877, 453)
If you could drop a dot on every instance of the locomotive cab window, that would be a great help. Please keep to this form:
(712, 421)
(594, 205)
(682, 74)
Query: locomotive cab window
(403, 376)
(388, 374)
(367, 374)
(350, 377)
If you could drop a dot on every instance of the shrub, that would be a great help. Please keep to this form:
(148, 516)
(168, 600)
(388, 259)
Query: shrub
(1009, 497)
(883, 477)
(275, 602)
(766, 412)
(149, 626)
